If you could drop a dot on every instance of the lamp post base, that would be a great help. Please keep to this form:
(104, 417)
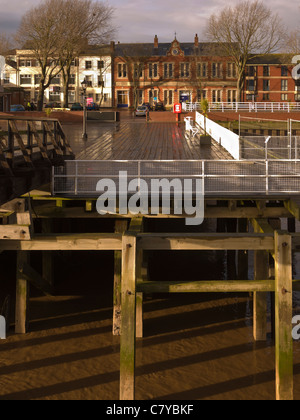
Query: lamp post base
(84, 137)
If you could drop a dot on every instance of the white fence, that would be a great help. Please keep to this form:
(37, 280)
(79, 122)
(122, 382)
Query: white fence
(220, 178)
(244, 106)
(226, 138)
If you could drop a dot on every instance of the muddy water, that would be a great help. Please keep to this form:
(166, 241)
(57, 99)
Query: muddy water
(195, 346)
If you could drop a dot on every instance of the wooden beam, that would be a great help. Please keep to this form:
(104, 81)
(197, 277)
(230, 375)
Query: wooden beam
(212, 241)
(22, 295)
(34, 278)
(293, 206)
(206, 286)
(127, 350)
(47, 263)
(67, 242)
(261, 271)
(120, 227)
(283, 316)
(15, 232)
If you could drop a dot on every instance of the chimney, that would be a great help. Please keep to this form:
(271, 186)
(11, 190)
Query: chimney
(196, 41)
(112, 47)
(156, 42)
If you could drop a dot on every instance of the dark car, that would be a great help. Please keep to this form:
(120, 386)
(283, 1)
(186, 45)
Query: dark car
(53, 105)
(76, 107)
(159, 106)
(146, 104)
(92, 107)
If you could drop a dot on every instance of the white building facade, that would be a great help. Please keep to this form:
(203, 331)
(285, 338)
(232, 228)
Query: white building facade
(22, 70)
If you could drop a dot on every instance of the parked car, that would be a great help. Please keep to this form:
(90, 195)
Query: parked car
(92, 107)
(76, 107)
(141, 111)
(159, 106)
(53, 105)
(17, 108)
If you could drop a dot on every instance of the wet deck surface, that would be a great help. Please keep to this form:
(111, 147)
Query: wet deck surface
(135, 140)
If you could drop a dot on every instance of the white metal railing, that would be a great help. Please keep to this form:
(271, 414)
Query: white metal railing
(244, 106)
(190, 127)
(220, 178)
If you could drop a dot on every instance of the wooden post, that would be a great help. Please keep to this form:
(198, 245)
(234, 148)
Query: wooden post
(128, 324)
(22, 295)
(283, 316)
(47, 255)
(243, 255)
(120, 227)
(261, 272)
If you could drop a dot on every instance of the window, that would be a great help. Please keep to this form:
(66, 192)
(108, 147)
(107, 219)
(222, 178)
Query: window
(184, 69)
(37, 79)
(216, 70)
(100, 64)
(106, 97)
(168, 97)
(266, 71)
(284, 96)
(71, 96)
(251, 71)
(284, 71)
(6, 78)
(54, 96)
(72, 80)
(140, 96)
(231, 96)
(100, 81)
(89, 81)
(168, 70)
(88, 65)
(138, 71)
(25, 63)
(122, 70)
(201, 69)
(25, 79)
(250, 85)
(153, 95)
(266, 97)
(217, 96)
(56, 80)
(284, 85)
(122, 97)
(266, 85)
(201, 94)
(231, 70)
(153, 70)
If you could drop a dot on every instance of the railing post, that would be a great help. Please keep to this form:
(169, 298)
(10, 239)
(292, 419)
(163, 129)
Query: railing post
(76, 177)
(267, 177)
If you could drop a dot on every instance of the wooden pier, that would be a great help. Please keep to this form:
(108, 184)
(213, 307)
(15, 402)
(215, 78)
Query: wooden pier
(244, 224)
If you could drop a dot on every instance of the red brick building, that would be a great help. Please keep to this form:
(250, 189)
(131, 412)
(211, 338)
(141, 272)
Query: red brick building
(269, 79)
(172, 72)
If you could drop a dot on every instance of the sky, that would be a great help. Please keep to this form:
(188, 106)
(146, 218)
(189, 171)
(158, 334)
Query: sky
(141, 20)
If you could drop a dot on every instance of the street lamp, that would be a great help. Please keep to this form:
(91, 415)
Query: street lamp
(84, 86)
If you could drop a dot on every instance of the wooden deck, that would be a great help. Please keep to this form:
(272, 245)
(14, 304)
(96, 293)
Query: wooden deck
(135, 140)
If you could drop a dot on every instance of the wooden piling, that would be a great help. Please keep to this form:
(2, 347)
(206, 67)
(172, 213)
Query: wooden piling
(120, 227)
(22, 295)
(47, 227)
(128, 323)
(283, 316)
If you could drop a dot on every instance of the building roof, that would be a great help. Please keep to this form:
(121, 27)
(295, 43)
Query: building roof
(147, 50)
(270, 59)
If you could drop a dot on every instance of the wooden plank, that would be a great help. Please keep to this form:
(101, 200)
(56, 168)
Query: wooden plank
(39, 141)
(261, 271)
(293, 206)
(9, 232)
(57, 149)
(217, 241)
(283, 316)
(206, 286)
(120, 227)
(65, 242)
(22, 295)
(127, 348)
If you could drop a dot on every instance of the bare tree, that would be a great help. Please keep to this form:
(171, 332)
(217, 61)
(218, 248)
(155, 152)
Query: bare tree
(245, 31)
(57, 30)
(5, 44)
(81, 23)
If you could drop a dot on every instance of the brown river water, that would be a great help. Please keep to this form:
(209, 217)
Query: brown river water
(194, 347)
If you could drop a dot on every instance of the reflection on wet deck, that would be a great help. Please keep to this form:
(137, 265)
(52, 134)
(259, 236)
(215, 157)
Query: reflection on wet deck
(140, 141)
